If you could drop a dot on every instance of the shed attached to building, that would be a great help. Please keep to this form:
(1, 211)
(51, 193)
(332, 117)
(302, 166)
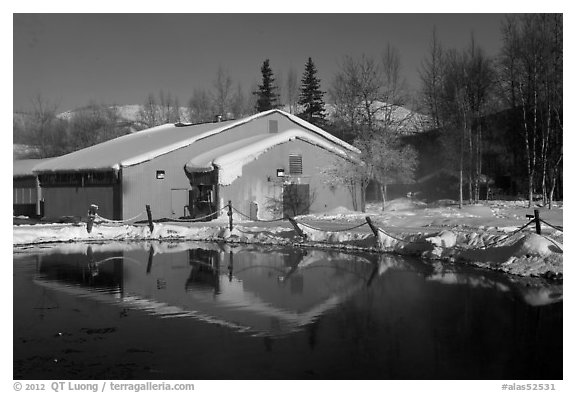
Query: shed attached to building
(27, 194)
(268, 164)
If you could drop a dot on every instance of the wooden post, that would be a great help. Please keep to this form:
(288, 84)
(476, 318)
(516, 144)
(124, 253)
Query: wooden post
(297, 228)
(150, 222)
(91, 216)
(374, 230)
(371, 225)
(230, 214)
(537, 220)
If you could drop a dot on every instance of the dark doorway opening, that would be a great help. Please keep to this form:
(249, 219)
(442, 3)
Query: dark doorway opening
(296, 199)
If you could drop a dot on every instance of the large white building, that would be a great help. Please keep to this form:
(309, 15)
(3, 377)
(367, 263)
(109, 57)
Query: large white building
(184, 170)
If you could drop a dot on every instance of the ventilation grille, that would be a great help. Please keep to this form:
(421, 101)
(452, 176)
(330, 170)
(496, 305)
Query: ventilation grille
(295, 164)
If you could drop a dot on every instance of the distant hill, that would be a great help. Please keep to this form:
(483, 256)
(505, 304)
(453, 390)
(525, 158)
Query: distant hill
(125, 112)
(20, 151)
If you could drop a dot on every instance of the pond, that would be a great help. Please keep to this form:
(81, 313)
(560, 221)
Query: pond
(206, 311)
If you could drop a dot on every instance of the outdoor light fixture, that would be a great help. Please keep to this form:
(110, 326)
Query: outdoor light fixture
(280, 172)
(160, 174)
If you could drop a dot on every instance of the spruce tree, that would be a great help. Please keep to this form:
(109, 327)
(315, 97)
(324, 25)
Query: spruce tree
(267, 96)
(311, 97)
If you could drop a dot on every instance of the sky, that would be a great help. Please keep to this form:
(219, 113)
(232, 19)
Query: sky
(72, 60)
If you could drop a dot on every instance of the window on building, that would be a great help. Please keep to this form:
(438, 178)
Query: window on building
(295, 164)
(78, 179)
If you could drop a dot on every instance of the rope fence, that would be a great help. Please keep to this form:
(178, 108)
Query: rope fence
(117, 221)
(332, 230)
(257, 219)
(561, 229)
(195, 219)
(535, 219)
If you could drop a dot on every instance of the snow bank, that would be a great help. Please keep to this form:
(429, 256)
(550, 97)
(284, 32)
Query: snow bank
(35, 234)
(529, 255)
(492, 247)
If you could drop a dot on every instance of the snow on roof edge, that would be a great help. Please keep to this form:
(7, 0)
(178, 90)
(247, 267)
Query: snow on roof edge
(320, 131)
(231, 164)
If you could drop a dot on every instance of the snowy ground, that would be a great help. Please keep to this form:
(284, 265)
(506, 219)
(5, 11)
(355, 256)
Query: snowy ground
(485, 235)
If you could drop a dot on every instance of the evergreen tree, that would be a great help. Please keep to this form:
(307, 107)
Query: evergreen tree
(311, 97)
(267, 96)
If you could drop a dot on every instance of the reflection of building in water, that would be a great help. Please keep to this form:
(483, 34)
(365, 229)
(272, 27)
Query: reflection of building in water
(103, 270)
(270, 291)
(205, 269)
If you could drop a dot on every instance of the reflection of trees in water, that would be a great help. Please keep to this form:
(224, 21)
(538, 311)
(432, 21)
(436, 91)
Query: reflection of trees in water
(532, 291)
(425, 329)
(358, 325)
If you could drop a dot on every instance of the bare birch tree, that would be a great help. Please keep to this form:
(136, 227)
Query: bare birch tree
(292, 90)
(367, 94)
(200, 107)
(531, 76)
(223, 92)
(431, 74)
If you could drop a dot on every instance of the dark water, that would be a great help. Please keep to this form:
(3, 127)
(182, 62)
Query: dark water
(208, 311)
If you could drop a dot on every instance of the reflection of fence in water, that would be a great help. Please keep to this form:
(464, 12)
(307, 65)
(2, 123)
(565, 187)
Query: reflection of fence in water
(82, 269)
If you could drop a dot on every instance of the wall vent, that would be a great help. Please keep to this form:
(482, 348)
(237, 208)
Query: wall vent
(295, 164)
(272, 126)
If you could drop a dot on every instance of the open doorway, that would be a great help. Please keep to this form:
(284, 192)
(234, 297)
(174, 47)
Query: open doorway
(296, 199)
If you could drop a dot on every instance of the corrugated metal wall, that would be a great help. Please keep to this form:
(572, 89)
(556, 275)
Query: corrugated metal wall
(75, 201)
(26, 196)
(24, 191)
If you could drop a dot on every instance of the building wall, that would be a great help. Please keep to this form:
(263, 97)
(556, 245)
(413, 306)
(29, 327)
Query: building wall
(25, 190)
(26, 196)
(259, 183)
(140, 187)
(75, 201)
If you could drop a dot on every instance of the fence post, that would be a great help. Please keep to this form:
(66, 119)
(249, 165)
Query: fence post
(297, 228)
(537, 220)
(150, 222)
(230, 214)
(91, 216)
(374, 229)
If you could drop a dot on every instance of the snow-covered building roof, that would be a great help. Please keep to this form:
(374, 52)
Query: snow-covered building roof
(145, 145)
(22, 168)
(231, 157)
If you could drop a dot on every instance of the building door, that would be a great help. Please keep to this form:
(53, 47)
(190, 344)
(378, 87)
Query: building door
(179, 202)
(296, 199)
